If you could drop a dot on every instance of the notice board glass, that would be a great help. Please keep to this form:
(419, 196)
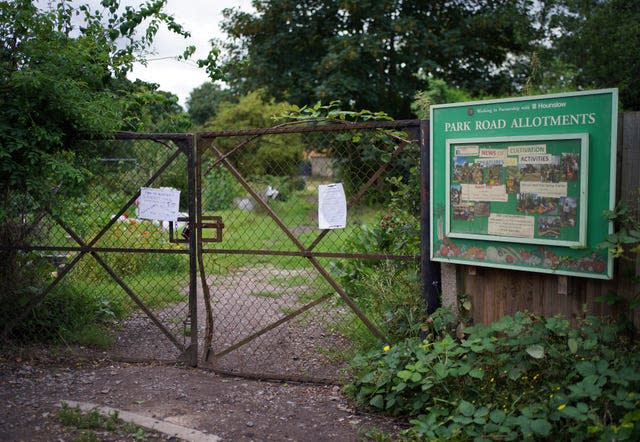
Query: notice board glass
(518, 189)
(524, 183)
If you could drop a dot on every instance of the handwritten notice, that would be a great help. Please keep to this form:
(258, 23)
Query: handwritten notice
(546, 190)
(484, 192)
(160, 204)
(332, 206)
(520, 226)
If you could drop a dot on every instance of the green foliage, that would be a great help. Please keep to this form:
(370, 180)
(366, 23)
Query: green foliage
(439, 92)
(203, 102)
(61, 82)
(367, 53)
(148, 109)
(624, 243)
(220, 188)
(69, 314)
(494, 48)
(94, 420)
(595, 43)
(125, 234)
(389, 291)
(277, 155)
(520, 378)
(358, 154)
(626, 238)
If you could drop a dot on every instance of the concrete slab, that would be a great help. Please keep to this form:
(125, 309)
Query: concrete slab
(162, 426)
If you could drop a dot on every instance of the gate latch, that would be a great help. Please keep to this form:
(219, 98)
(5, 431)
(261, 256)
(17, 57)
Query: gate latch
(212, 222)
(208, 222)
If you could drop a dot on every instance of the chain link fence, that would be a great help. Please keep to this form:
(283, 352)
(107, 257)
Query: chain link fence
(84, 273)
(287, 298)
(274, 293)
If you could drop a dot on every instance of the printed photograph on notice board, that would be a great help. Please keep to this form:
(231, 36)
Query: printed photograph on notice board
(525, 190)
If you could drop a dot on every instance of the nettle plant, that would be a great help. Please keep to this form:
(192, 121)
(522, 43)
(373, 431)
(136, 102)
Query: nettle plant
(520, 378)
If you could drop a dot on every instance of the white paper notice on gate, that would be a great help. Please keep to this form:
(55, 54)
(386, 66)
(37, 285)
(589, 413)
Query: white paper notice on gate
(161, 204)
(332, 206)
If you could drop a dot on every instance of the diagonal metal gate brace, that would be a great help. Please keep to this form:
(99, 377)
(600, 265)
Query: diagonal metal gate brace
(88, 248)
(123, 285)
(305, 252)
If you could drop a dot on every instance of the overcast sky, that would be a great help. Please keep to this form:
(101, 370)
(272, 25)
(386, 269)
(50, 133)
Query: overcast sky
(202, 19)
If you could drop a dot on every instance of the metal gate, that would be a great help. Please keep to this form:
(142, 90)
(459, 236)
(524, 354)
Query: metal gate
(87, 258)
(246, 282)
(273, 302)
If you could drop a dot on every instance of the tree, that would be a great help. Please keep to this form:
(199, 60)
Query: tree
(439, 92)
(599, 42)
(60, 83)
(152, 110)
(375, 54)
(268, 155)
(204, 100)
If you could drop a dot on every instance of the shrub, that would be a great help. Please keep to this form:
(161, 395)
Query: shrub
(220, 189)
(521, 378)
(267, 154)
(67, 314)
(388, 291)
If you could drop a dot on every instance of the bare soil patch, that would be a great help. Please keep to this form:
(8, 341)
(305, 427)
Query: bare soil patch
(235, 409)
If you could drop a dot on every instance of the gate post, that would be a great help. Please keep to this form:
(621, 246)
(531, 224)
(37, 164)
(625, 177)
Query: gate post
(190, 147)
(429, 270)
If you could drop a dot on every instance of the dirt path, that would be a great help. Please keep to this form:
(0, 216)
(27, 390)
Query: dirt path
(236, 409)
(233, 408)
(245, 302)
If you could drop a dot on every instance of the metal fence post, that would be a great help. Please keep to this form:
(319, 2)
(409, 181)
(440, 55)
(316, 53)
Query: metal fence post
(193, 286)
(430, 270)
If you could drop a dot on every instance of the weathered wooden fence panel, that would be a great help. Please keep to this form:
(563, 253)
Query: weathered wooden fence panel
(495, 292)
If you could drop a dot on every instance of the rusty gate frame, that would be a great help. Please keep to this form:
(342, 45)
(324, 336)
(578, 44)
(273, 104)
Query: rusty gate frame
(184, 144)
(205, 142)
(193, 146)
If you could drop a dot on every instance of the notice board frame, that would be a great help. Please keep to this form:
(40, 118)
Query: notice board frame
(579, 195)
(590, 116)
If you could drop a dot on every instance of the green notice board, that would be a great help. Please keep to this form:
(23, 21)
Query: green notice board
(523, 183)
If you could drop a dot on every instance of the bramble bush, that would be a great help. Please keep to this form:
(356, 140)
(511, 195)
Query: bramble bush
(520, 378)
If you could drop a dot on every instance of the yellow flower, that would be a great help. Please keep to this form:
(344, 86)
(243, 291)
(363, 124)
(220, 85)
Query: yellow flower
(386, 348)
(562, 407)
